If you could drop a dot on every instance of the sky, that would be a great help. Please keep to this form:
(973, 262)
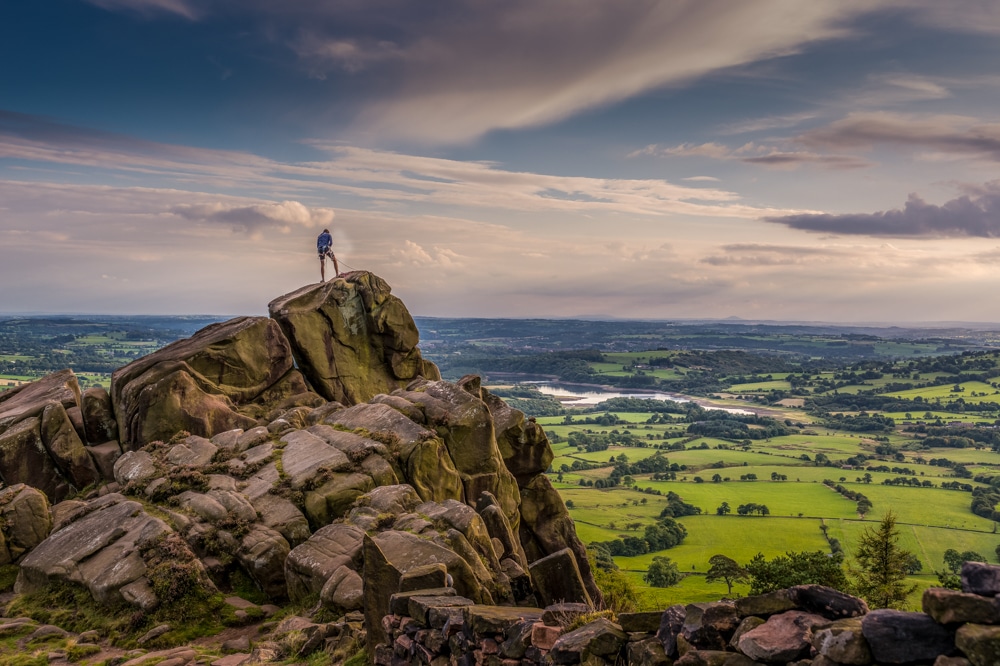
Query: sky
(830, 160)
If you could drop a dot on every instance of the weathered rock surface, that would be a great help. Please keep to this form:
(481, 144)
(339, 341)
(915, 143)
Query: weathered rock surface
(842, 642)
(898, 637)
(981, 578)
(223, 377)
(25, 521)
(352, 337)
(100, 549)
(42, 439)
(953, 607)
(417, 482)
(980, 643)
(783, 638)
(601, 638)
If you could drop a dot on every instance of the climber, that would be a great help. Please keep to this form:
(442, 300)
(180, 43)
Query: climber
(324, 245)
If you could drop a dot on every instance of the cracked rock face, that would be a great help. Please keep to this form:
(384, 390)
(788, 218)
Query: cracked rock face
(249, 462)
(352, 337)
(225, 376)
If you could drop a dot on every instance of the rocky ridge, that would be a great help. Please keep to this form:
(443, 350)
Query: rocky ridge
(303, 451)
(316, 455)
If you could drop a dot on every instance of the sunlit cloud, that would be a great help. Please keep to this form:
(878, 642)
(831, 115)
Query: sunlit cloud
(283, 215)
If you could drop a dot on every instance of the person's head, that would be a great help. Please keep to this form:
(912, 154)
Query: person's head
(326, 231)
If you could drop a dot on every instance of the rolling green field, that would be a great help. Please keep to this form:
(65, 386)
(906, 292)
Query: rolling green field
(930, 519)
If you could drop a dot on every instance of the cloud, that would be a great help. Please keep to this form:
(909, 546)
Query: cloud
(762, 254)
(413, 254)
(462, 68)
(701, 179)
(951, 134)
(351, 55)
(965, 216)
(379, 177)
(768, 123)
(753, 153)
(150, 7)
(283, 215)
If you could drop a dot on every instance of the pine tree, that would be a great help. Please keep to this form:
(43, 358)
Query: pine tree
(882, 566)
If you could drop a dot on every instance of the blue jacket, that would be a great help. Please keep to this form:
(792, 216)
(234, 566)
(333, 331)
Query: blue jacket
(324, 242)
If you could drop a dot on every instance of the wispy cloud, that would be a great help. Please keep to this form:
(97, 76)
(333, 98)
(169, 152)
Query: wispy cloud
(965, 216)
(754, 153)
(382, 177)
(151, 7)
(953, 134)
(768, 123)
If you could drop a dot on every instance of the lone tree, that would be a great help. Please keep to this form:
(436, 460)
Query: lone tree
(662, 573)
(882, 565)
(726, 569)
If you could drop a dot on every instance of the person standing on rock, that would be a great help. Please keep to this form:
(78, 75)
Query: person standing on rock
(324, 245)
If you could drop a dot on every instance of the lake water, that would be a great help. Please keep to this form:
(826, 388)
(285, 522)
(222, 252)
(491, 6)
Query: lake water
(574, 395)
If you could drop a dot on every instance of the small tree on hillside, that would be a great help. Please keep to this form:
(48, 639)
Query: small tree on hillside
(882, 565)
(950, 576)
(662, 572)
(726, 569)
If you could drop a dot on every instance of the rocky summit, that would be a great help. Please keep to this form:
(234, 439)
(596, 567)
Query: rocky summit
(314, 454)
(304, 488)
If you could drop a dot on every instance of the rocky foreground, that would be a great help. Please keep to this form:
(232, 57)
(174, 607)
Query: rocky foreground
(304, 486)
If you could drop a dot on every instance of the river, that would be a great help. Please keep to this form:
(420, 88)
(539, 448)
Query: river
(578, 395)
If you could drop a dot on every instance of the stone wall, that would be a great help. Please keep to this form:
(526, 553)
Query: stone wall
(808, 625)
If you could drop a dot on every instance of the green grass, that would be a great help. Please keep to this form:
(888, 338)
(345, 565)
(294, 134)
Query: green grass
(761, 386)
(736, 537)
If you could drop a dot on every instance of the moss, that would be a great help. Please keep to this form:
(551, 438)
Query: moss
(180, 480)
(358, 659)
(78, 652)
(72, 608)
(243, 586)
(179, 436)
(8, 575)
(587, 618)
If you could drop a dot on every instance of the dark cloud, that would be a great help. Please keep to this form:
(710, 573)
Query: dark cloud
(946, 134)
(965, 216)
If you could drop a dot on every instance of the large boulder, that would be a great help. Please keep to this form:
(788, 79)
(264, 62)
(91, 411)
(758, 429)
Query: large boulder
(31, 399)
(25, 521)
(546, 528)
(899, 637)
(24, 459)
(104, 547)
(352, 338)
(42, 438)
(99, 421)
(223, 377)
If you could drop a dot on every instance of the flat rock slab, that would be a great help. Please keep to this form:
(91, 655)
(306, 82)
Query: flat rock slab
(644, 622)
(305, 454)
(600, 638)
(485, 620)
(193, 451)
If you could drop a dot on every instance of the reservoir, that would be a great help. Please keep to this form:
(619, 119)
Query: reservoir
(578, 395)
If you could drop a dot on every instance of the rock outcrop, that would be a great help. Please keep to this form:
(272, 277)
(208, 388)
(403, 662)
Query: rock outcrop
(225, 376)
(42, 437)
(352, 337)
(316, 453)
